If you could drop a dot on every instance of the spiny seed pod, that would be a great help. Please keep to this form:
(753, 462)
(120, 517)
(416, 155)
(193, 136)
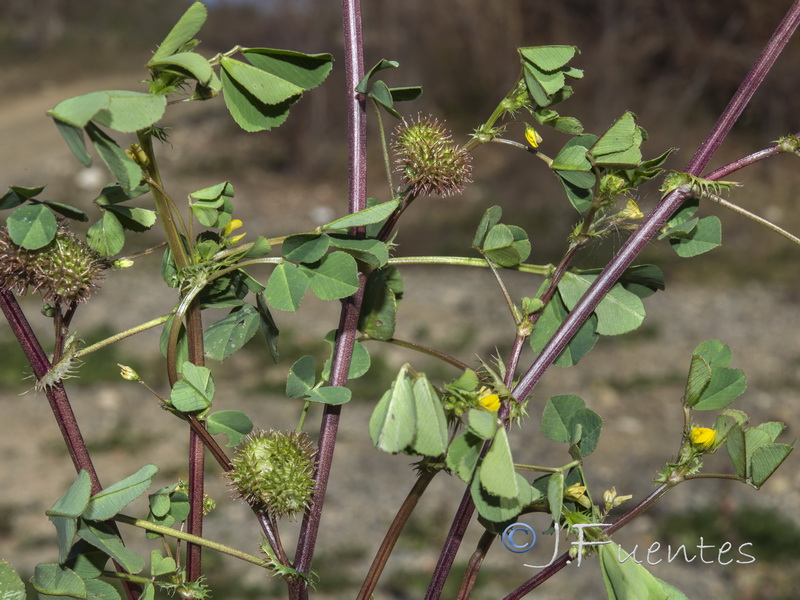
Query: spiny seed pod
(66, 270)
(275, 469)
(428, 159)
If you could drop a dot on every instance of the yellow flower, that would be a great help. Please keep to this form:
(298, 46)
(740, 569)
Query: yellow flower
(703, 437)
(231, 227)
(490, 402)
(534, 139)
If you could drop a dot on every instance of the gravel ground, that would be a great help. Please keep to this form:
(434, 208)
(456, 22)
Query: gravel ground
(634, 383)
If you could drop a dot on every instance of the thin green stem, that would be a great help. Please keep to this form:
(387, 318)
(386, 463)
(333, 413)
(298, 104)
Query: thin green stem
(541, 469)
(509, 302)
(192, 539)
(465, 261)
(547, 160)
(387, 163)
(730, 476)
(754, 217)
(122, 576)
(122, 335)
(420, 348)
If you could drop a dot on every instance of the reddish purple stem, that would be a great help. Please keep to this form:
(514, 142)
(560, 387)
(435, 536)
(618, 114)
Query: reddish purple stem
(351, 307)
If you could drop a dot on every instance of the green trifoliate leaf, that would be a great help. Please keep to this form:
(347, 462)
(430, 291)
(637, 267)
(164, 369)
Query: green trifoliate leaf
(183, 31)
(286, 287)
(160, 564)
(559, 415)
(383, 291)
(506, 245)
(430, 438)
(111, 500)
(620, 145)
(368, 216)
(248, 111)
(553, 314)
(629, 580)
(715, 353)
(333, 277)
(765, 461)
(267, 88)
(233, 423)
(490, 218)
(32, 226)
(393, 423)
(302, 377)
(359, 361)
(703, 237)
(230, 333)
(55, 580)
(100, 590)
(496, 509)
(195, 391)
(268, 326)
(555, 495)
(11, 585)
(190, 62)
(17, 195)
(361, 88)
(100, 535)
(65, 512)
(724, 386)
(463, 455)
(119, 110)
(369, 251)
(619, 312)
(305, 247)
(306, 71)
(127, 172)
(699, 376)
(106, 236)
(497, 469)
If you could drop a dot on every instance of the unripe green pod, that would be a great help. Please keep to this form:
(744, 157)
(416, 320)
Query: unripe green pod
(428, 159)
(66, 270)
(275, 469)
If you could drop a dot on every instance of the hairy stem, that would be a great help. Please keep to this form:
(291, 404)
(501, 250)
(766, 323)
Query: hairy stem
(59, 402)
(475, 562)
(122, 335)
(659, 215)
(392, 535)
(423, 349)
(191, 539)
(563, 560)
(351, 307)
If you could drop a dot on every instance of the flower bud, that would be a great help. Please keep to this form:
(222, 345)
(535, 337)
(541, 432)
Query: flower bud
(534, 139)
(127, 373)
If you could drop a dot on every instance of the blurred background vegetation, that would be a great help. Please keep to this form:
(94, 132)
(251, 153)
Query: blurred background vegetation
(675, 64)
